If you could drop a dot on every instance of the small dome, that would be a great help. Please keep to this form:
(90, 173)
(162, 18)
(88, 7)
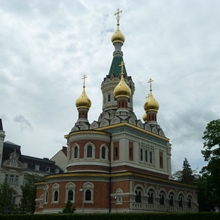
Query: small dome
(151, 104)
(118, 37)
(122, 90)
(83, 101)
(145, 117)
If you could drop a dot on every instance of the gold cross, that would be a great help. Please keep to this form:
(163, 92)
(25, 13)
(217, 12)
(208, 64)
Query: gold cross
(118, 16)
(122, 67)
(84, 80)
(150, 81)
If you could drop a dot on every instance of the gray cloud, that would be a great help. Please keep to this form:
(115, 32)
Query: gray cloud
(23, 123)
(46, 47)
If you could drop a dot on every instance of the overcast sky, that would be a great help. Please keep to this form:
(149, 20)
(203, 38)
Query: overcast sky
(47, 46)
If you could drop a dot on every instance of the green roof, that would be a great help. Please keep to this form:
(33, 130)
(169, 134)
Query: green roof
(115, 69)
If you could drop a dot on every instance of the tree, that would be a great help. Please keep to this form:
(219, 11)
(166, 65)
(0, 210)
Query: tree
(29, 193)
(68, 208)
(6, 203)
(211, 154)
(186, 175)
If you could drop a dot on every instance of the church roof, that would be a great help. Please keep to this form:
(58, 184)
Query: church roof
(115, 69)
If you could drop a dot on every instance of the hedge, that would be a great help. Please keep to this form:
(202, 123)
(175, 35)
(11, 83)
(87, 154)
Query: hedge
(117, 216)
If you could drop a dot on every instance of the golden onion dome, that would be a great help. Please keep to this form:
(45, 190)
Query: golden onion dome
(118, 37)
(122, 90)
(83, 101)
(145, 117)
(151, 104)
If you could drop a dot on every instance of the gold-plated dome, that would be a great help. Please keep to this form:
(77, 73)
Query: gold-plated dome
(83, 101)
(122, 90)
(151, 104)
(118, 36)
(145, 117)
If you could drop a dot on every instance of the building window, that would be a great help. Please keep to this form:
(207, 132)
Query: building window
(116, 150)
(70, 195)
(161, 159)
(6, 178)
(70, 192)
(75, 152)
(146, 156)
(151, 196)
(138, 196)
(88, 195)
(55, 193)
(181, 200)
(48, 169)
(130, 150)
(55, 196)
(171, 198)
(89, 151)
(162, 195)
(103, 152)
(11, 179)
(88, 189)
(151, 157)
(16, 180)
(189, 203)
(109, 97)
(37, 167)
(141, 154)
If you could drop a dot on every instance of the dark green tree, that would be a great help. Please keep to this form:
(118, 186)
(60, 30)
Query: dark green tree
(186, 175)
(29, 194)
(211, 154)
(69, 208)
(6, 204)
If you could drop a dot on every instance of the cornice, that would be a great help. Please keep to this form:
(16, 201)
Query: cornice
(128, 174)
(134, 127)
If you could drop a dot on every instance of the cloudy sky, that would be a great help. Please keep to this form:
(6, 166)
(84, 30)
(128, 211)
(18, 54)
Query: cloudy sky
(47, 46)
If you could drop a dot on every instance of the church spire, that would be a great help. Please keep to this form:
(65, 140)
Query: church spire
(118, 40)
(151, 106)
(83, 103)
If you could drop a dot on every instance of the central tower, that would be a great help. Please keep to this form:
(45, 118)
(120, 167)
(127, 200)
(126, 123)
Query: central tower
(113, 77)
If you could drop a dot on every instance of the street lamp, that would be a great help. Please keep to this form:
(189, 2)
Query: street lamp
(82, 190)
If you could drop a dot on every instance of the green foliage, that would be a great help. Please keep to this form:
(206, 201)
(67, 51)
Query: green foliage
(186, 175)
(211, 154)
(5, 198)
(68, 208)
(126, 216)
(29, 193)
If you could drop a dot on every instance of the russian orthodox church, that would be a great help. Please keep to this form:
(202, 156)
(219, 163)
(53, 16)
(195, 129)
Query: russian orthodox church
(117, 163)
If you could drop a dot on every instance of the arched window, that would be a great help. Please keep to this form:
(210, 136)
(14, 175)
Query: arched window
(180, 200)
(88, 195)
(151, 196)
(189, 203)
(162, 198)
(70, 195)
(171, 198)
(55, 193)
(70, 192)
(89, 151)
(88, 189)
(138, 194)
(55, 197)
(103, 152)
(75, 152)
